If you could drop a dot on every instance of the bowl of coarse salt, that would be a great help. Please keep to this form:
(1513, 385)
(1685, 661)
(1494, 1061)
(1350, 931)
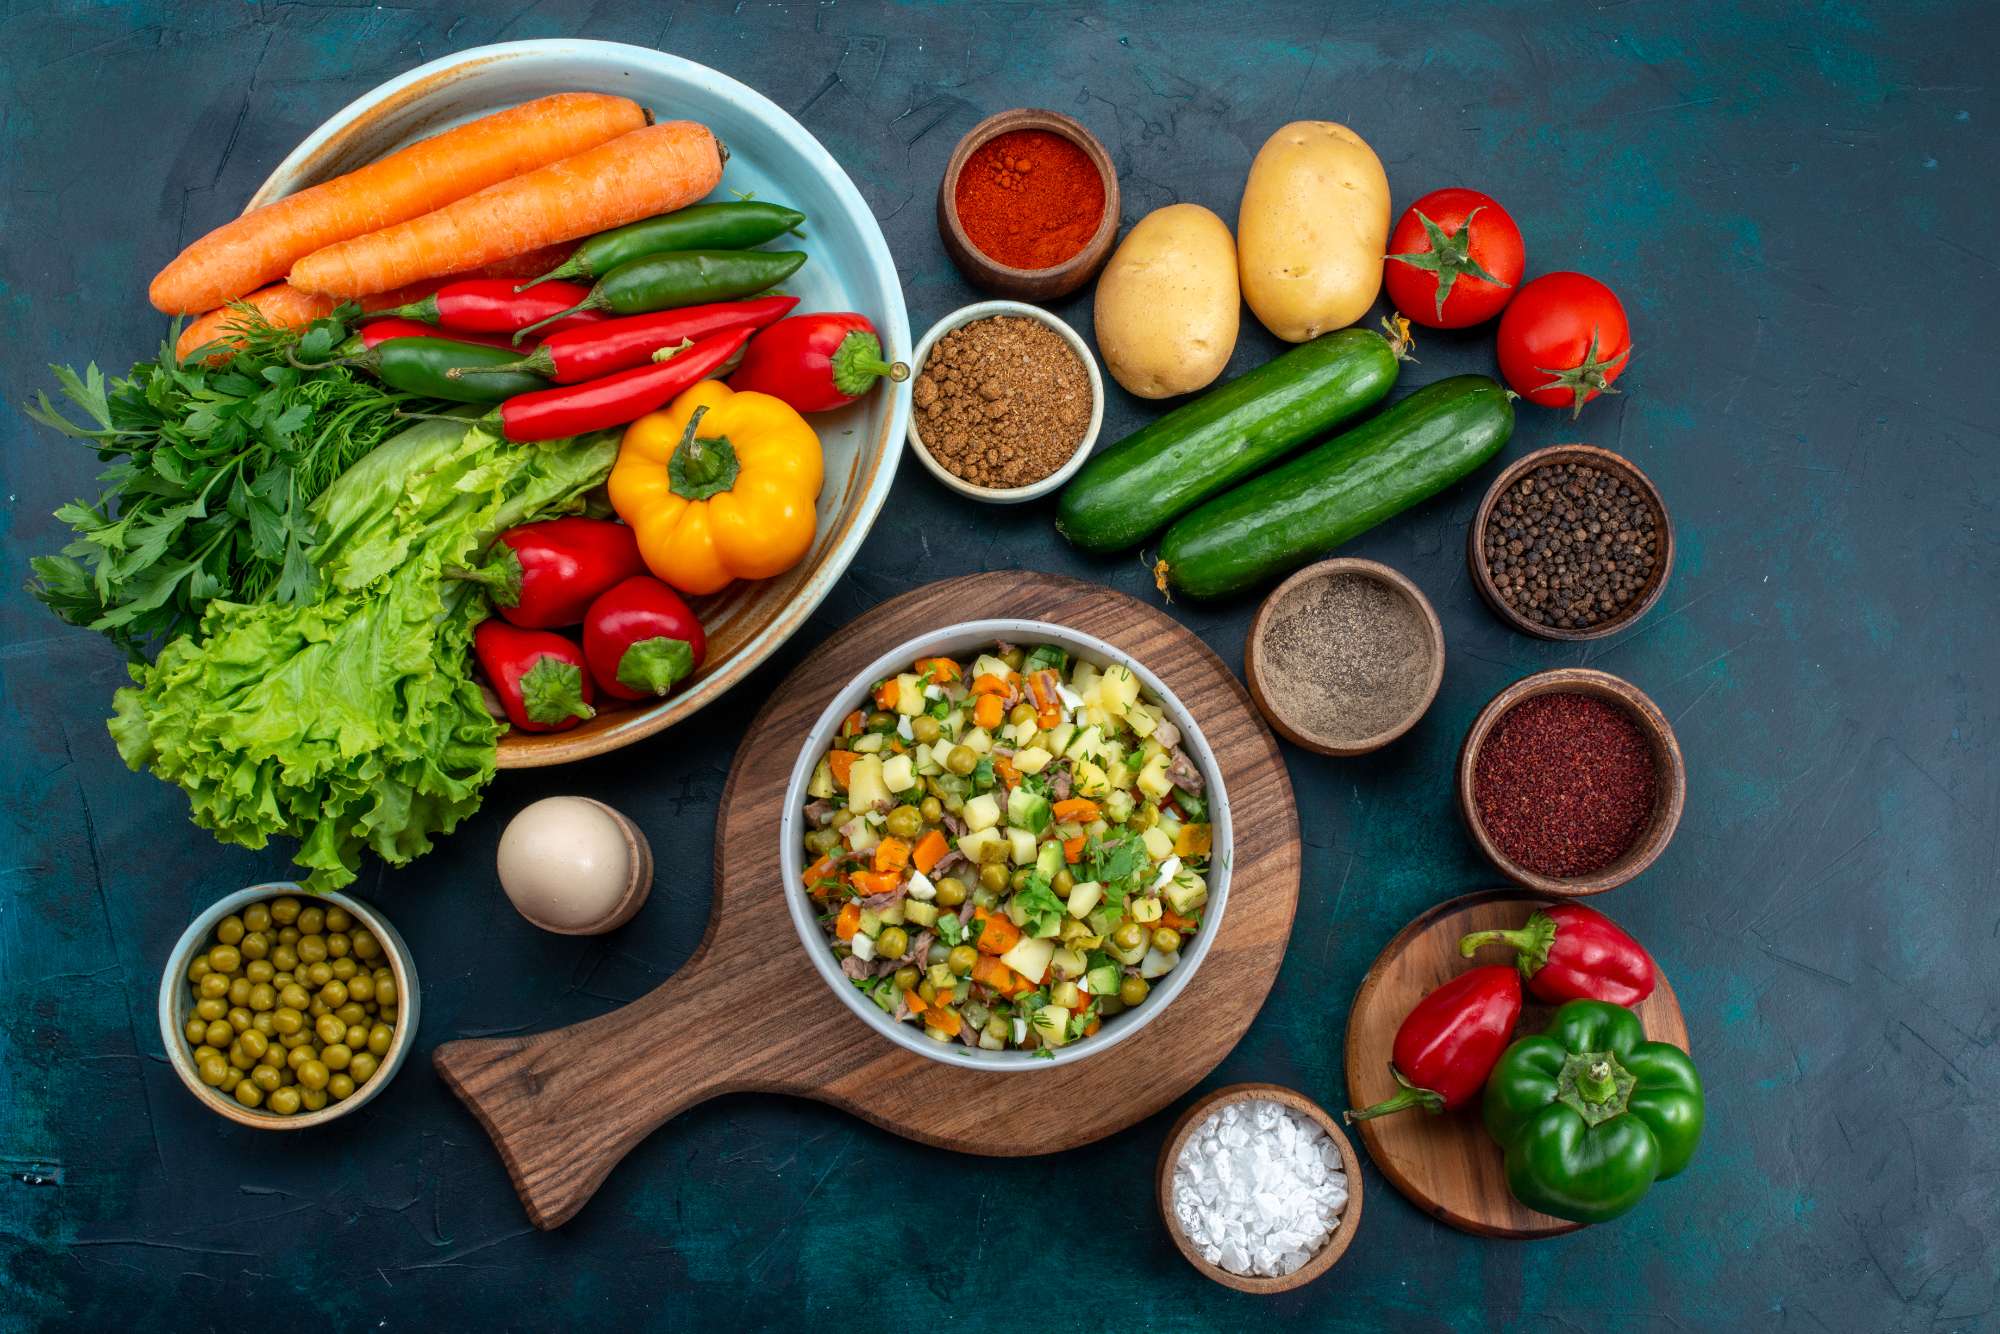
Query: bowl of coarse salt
(1259, 1188)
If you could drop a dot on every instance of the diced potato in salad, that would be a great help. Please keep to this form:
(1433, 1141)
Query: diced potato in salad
(1007, 851)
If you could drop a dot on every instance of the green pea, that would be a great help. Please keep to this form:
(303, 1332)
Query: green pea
(257, 917)
(356, 1037)
(196, 1030)
(313, 1073)
(1133, 990)
(239, 1018)
(361, 987)
(214, 1069)
(385, 990)
(334, 993)
(253, 1043)
(925, 728)
(231, 1080)
(993, 876)
(362, 1067)
(284, 958)
(961, 959)
(263, 996)
(239, 991)
(287, 1021)
(229, 930)
(931, 809)
(1014, 657)
(285, 911)
(285, 1101)
(259, 970)
(819, 842)
(339, 919)
(288, 935)
(312, 920)
(318, 975)
(351, 1013)
(260, 1022)
(198, 969)
(962, 760)
(312, 1099)
(1129, 936)
(335, 1056)
(265, 1078)
(330, 1029)
(1023, 712)
(950, 892)
(219, 1033)
(255, 945)
(1166, 940)
(294, 997)
(378, 1040)
(904, 822)
(312, 948)
(366, 946)
(1063, 882)
(337, 945)
(892, 943)
(210, 1008)
(1019, 880)
(340, 1085)
(225, 959)
(249, 1094)
(213, 986)
(907, 978)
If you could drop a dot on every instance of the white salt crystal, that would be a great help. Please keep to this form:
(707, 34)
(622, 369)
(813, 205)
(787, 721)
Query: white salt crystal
(1259, 1189)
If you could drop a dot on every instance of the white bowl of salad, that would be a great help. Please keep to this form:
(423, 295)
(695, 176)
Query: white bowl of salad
(1006, 845)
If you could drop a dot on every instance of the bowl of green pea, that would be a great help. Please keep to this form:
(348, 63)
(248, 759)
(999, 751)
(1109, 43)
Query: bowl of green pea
(282, 1009)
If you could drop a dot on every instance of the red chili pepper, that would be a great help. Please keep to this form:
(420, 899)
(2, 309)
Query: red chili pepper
(544, 575)
(491, 305)
(1570, 952)
(377, 332)
(617, 345)
(641, 640)
(538, 674)
(816, 362)
(594, 405)
(1450, 1041)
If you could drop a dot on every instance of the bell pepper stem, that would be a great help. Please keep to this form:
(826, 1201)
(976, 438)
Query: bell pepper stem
(858, 363)
(701, 468)
(552, 690)
(500, 577)
(653, 666)
(1409, 1095)
(1532, 942)
(1594, 1081)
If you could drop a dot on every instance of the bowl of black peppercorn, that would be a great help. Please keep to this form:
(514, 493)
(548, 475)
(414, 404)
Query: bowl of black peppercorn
(1571, 542)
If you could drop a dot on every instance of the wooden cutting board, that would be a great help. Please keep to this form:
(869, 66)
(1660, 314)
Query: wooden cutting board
(564, 1107)
(1447, 1164)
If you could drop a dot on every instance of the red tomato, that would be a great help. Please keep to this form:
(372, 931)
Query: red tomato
(1454, 259)
(1563, 341)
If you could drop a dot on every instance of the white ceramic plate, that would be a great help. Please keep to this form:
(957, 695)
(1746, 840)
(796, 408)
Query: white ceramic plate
(771, 157)
(952, 641)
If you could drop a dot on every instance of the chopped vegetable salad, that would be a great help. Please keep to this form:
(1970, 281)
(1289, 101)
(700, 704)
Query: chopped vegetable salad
(1007, 851)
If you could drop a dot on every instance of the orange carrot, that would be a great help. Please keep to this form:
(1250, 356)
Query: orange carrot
(946, 1022)
(987, 713)
(986, 683)
(887, 694)
(1075, 810)
(852, 723)
(1170, 918)
(248, 252)
(942, 670)
(848, 922)
(637, 175)
(841, 762)
(891, 855)
(1004, 770)
(990, 972)
(869, 883)
(915, 1003)
(1194, 840)
(930, 850)
(997, 934)
(1073, 848)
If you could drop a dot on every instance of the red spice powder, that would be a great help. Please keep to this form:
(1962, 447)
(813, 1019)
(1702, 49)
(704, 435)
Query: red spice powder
(1564, 783)
(1029, 199)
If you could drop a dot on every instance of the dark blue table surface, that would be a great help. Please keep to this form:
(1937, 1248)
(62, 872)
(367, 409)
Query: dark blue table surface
(1798, 206)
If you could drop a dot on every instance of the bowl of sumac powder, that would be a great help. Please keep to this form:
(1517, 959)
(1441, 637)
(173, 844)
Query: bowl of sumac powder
(1571, 542)
(1345, 656)
(1571, 781)
(1006, 402)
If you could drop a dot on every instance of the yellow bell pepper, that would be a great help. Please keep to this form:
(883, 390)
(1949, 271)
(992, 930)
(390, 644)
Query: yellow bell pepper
(719, 486)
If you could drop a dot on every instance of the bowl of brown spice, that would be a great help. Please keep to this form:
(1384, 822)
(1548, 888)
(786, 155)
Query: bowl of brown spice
(1345, 656)
(1005, 403)
(1571, 781)
(1571, 542)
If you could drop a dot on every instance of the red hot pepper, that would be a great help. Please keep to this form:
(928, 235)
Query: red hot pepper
(1449, 1043)
(617, 345)
(377, 332)
(1570, 952)
(545, 575)
(492, 306)
(551, 414)
(816, 362)
(641, 640)
(538, 675)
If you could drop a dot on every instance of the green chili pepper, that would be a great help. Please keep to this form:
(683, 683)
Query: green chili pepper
(1590, 1114)
(700, 227)
(422, 366)
(682, 278)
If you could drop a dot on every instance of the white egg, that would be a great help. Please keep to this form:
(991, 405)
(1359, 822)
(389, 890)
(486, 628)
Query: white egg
(566, 864)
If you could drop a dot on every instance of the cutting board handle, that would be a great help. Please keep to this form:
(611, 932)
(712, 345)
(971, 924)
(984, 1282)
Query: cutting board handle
(565, 1106)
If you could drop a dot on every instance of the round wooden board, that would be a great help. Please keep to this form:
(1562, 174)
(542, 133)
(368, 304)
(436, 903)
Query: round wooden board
(564, 1107)
(1447, 1165)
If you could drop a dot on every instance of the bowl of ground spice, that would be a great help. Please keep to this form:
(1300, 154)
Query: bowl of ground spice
(1006, 401)
(1571, 542)
(1028, 207)
(1571, 781)
(1345, 656)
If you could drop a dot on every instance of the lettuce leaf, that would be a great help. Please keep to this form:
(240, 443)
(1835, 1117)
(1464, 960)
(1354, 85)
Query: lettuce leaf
(352, 722)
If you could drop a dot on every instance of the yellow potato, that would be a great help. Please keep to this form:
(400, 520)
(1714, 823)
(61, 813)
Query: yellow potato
(1167, 303)
(1313, 229)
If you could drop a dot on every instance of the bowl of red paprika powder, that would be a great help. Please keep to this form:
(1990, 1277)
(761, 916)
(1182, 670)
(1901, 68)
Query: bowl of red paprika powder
(1028, 207)
(1571, 781)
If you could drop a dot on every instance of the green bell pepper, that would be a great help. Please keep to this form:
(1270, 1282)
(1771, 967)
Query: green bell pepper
(1590, 1114)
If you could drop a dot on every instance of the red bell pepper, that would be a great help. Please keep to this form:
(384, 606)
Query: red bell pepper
(641, 640)
(1570, 952)
(377, 332)
(572, 409)
(546, 574)
(616, 345)
(538, 675)
(492, 306)
(816, 362)
(1449, 1043)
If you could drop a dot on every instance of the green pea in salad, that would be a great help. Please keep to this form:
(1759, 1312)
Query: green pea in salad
(1010, 852)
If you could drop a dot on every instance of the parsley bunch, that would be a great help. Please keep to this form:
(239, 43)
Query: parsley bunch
(212, 470)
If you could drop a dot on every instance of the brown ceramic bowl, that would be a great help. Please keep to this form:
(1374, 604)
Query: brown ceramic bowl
(1255, 668)
(1627, 472)
(1027, 284)
(1669, 788)
(1170, 1154)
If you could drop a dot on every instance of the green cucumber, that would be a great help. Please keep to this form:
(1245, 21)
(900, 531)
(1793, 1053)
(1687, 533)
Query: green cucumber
(1144, 482)
(1302, 509)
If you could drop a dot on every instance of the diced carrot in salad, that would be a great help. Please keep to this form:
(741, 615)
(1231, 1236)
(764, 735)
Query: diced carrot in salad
(1015, 821)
